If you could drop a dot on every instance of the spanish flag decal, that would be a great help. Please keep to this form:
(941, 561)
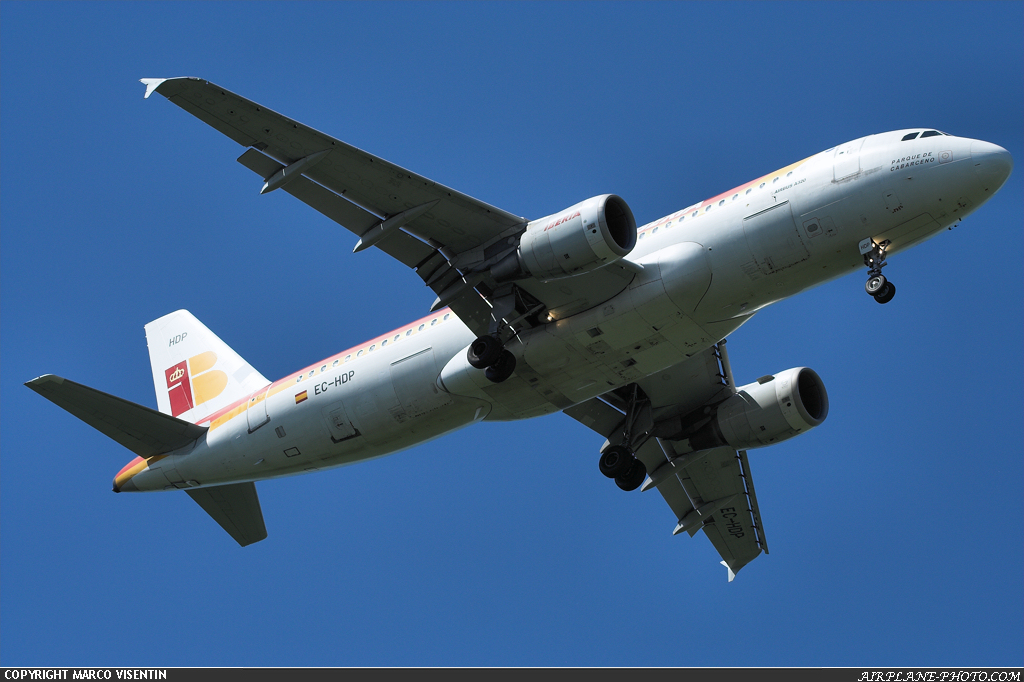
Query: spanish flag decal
(299, 397)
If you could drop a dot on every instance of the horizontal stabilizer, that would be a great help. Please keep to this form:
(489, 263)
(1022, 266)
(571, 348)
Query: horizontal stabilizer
(236, 508)
(142, 430)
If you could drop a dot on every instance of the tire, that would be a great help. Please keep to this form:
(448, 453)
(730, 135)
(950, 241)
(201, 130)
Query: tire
(484, 352)
(503, 368)
(633, 477)
(875, 284)
(886, 294)
(615, 461)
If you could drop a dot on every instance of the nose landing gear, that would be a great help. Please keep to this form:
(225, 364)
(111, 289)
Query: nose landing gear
(877, 286)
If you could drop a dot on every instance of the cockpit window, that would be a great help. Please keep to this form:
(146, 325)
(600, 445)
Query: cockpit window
(910, 136)
(930, 133)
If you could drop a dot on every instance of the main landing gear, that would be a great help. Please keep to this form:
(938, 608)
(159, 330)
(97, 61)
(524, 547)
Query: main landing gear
(488, 354)
(618, 462)
(877, 286)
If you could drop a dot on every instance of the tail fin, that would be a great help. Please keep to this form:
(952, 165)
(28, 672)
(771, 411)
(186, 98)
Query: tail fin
(195, 373)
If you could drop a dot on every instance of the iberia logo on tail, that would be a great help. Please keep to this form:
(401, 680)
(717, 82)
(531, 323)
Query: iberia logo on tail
(194, 381)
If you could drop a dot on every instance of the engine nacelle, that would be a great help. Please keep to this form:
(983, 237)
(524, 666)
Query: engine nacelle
(768, 411)
(584, 237)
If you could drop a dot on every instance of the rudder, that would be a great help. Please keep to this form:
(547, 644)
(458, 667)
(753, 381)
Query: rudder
(194, 372)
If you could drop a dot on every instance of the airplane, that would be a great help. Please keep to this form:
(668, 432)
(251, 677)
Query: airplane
(623, 328)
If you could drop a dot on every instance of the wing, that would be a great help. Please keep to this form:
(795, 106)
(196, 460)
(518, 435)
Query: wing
(710, 490)
(448, 238)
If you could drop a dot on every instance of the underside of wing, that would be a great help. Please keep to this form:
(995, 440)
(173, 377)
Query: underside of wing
(451, 240)
(707, 489)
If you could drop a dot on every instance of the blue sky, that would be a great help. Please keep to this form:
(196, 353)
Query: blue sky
(896, 528)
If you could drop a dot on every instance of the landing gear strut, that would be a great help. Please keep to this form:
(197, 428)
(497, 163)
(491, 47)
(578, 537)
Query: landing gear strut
(877, 286)
(619, 461)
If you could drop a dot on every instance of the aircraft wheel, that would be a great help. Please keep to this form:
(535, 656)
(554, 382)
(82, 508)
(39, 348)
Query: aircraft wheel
(503, 368)
(633, 477)
(484, 352)
(886, 294)
(615, 461)
(875, 285)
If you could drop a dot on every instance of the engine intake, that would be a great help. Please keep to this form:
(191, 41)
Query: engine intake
(582, 238)
(768, 411)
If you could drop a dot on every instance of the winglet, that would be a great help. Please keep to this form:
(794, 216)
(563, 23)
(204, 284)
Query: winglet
(151, 85)
(731, 574)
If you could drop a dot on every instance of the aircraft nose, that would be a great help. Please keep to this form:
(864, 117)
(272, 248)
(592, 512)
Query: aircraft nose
(992, 163)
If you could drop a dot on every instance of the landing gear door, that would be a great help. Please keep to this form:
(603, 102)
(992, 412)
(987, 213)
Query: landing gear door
(256, 411)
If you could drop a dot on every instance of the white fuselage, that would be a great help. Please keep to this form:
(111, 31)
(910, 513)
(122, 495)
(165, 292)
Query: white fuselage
(705, 271)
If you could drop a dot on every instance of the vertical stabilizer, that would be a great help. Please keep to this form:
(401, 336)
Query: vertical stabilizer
(195, 373)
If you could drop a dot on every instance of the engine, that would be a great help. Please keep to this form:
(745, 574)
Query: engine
(770, 410)
(579, 239)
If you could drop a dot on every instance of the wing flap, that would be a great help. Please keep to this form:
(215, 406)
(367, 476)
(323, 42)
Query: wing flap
(731, 529)
(367, 180)
(426, 260)
(236, 508)
(142, 430)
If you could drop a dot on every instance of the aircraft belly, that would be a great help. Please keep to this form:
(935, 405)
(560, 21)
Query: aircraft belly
(637, 333)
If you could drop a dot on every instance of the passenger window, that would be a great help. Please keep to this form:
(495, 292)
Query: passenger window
(654, 230)
(930, 133)
(359, 354)
(760, 186)
(433, 322)
(735, 197)
(694, 214)
(722, 202)
(335, 363)
(397, 336)
(749, 190)
(373, 346)
(446, 316)
(383, 343)
(324, 368)
(311, 374)
(420, 328)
